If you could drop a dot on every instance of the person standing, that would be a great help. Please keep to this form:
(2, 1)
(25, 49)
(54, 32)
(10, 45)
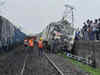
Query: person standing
(98, 30)
(53, 45)
(94, 28)
(85, 32)
(40, 46)
(92, 32)
(31, 45)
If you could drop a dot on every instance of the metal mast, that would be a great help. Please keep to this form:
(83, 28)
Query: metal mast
(69, 14)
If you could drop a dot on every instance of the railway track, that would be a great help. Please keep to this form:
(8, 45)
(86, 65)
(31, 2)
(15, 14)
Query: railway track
(40, 67)
(28, 62)
(12, 63)
(59, 72)
(64, 66)
(23, 62)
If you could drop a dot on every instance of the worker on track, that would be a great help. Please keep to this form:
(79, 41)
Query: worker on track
(40, 46)
(25, 42)
(31, 44)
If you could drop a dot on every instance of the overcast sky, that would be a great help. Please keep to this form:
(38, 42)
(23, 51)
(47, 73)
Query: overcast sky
(34, 15)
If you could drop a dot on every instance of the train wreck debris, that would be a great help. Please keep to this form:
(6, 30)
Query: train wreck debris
(60, 31)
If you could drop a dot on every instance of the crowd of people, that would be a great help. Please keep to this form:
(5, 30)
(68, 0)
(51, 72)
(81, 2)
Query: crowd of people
(90, 30)
(53, 46)
(30, 43)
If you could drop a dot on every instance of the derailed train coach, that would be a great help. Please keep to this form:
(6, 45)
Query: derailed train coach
(9, 34)
(61, 31)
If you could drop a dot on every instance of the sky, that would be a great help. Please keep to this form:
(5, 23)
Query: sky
(85, 9)
(34, 15)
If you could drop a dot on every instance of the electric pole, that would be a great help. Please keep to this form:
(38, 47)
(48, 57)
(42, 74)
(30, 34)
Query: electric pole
(69, 13)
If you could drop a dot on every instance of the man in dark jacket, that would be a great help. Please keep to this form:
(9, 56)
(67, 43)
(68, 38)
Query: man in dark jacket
(53, 45)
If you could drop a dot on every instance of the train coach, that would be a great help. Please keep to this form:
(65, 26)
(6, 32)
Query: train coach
(10, 35)
(61, 31)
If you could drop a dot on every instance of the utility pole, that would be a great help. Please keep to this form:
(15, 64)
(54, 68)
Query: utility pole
(72, 16)
(69, 13)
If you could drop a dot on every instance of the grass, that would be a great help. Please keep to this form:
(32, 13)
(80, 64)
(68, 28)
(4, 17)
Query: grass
(91, 70)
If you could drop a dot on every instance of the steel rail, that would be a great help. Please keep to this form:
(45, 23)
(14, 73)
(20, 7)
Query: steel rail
(54, 65)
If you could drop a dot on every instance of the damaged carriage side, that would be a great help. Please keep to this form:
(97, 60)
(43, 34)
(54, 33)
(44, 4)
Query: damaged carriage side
(62, 31)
